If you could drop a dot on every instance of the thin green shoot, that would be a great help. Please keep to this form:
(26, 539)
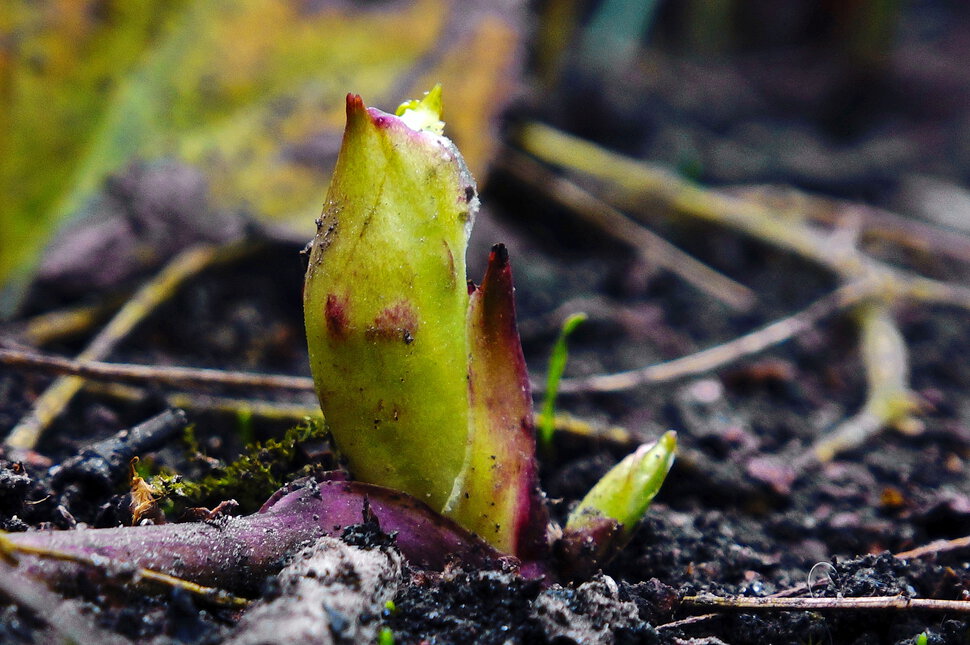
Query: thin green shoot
(557, 365)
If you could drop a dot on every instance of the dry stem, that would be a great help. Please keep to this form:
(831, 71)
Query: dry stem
(707, 601)
(9, 550)
(725, 353)
(183, 377)
(650, 245)
(938, 546)
(638, 187)
(190, 377)
(63, 323)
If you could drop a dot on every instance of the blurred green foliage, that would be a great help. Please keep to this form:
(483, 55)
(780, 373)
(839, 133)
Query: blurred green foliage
(251, 92)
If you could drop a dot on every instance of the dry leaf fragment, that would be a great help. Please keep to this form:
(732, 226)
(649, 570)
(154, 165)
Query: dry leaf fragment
(144, 503)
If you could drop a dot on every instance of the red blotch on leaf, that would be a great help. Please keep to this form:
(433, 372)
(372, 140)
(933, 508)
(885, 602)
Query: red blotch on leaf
(397, 322)
(335, 313)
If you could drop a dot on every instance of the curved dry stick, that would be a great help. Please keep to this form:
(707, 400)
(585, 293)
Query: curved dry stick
(634, 183)
(889, 401)
(613, 222)
(720, 355)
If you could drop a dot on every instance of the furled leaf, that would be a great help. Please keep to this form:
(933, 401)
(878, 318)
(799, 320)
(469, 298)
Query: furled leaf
(605, 519)
(385, 301)
(625, 492)
(248, 92)
(498, 493)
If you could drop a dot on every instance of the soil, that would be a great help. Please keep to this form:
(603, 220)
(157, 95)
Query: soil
(723, 523)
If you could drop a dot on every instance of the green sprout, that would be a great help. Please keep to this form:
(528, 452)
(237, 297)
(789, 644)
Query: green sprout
(420, 374)
(557, 365)
(424, 386)
(605, 519)
(386, 636)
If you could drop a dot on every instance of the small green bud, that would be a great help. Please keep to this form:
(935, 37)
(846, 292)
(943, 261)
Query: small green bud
(385, 637)
(605, 520)
(625, 492)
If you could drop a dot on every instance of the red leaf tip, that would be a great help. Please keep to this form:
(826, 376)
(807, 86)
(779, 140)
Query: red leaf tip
(499, 255)
(354, 104)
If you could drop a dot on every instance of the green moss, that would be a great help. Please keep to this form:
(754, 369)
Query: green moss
(250, 480)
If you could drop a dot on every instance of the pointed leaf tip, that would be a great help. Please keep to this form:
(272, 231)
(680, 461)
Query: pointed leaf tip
(499, 256)
(498, 494)
(625, 492)
(354, 104)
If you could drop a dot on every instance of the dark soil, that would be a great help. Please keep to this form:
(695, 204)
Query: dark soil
(722, 522)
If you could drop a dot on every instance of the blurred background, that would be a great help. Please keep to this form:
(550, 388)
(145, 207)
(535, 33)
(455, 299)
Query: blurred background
(146, 127)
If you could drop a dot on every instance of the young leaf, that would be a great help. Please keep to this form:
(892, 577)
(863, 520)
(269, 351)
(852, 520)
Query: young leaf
(498, 495)
(625, 492)
(385, 302)
(604, 521)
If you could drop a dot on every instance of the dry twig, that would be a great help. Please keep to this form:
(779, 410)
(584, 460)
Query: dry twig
(610, 220)
(62, 323)
(182, 377)
(889, 401)
(933, 548)
(190, 377)
(725, 353)
(874, 223)
(899, 603)
(638, 187)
